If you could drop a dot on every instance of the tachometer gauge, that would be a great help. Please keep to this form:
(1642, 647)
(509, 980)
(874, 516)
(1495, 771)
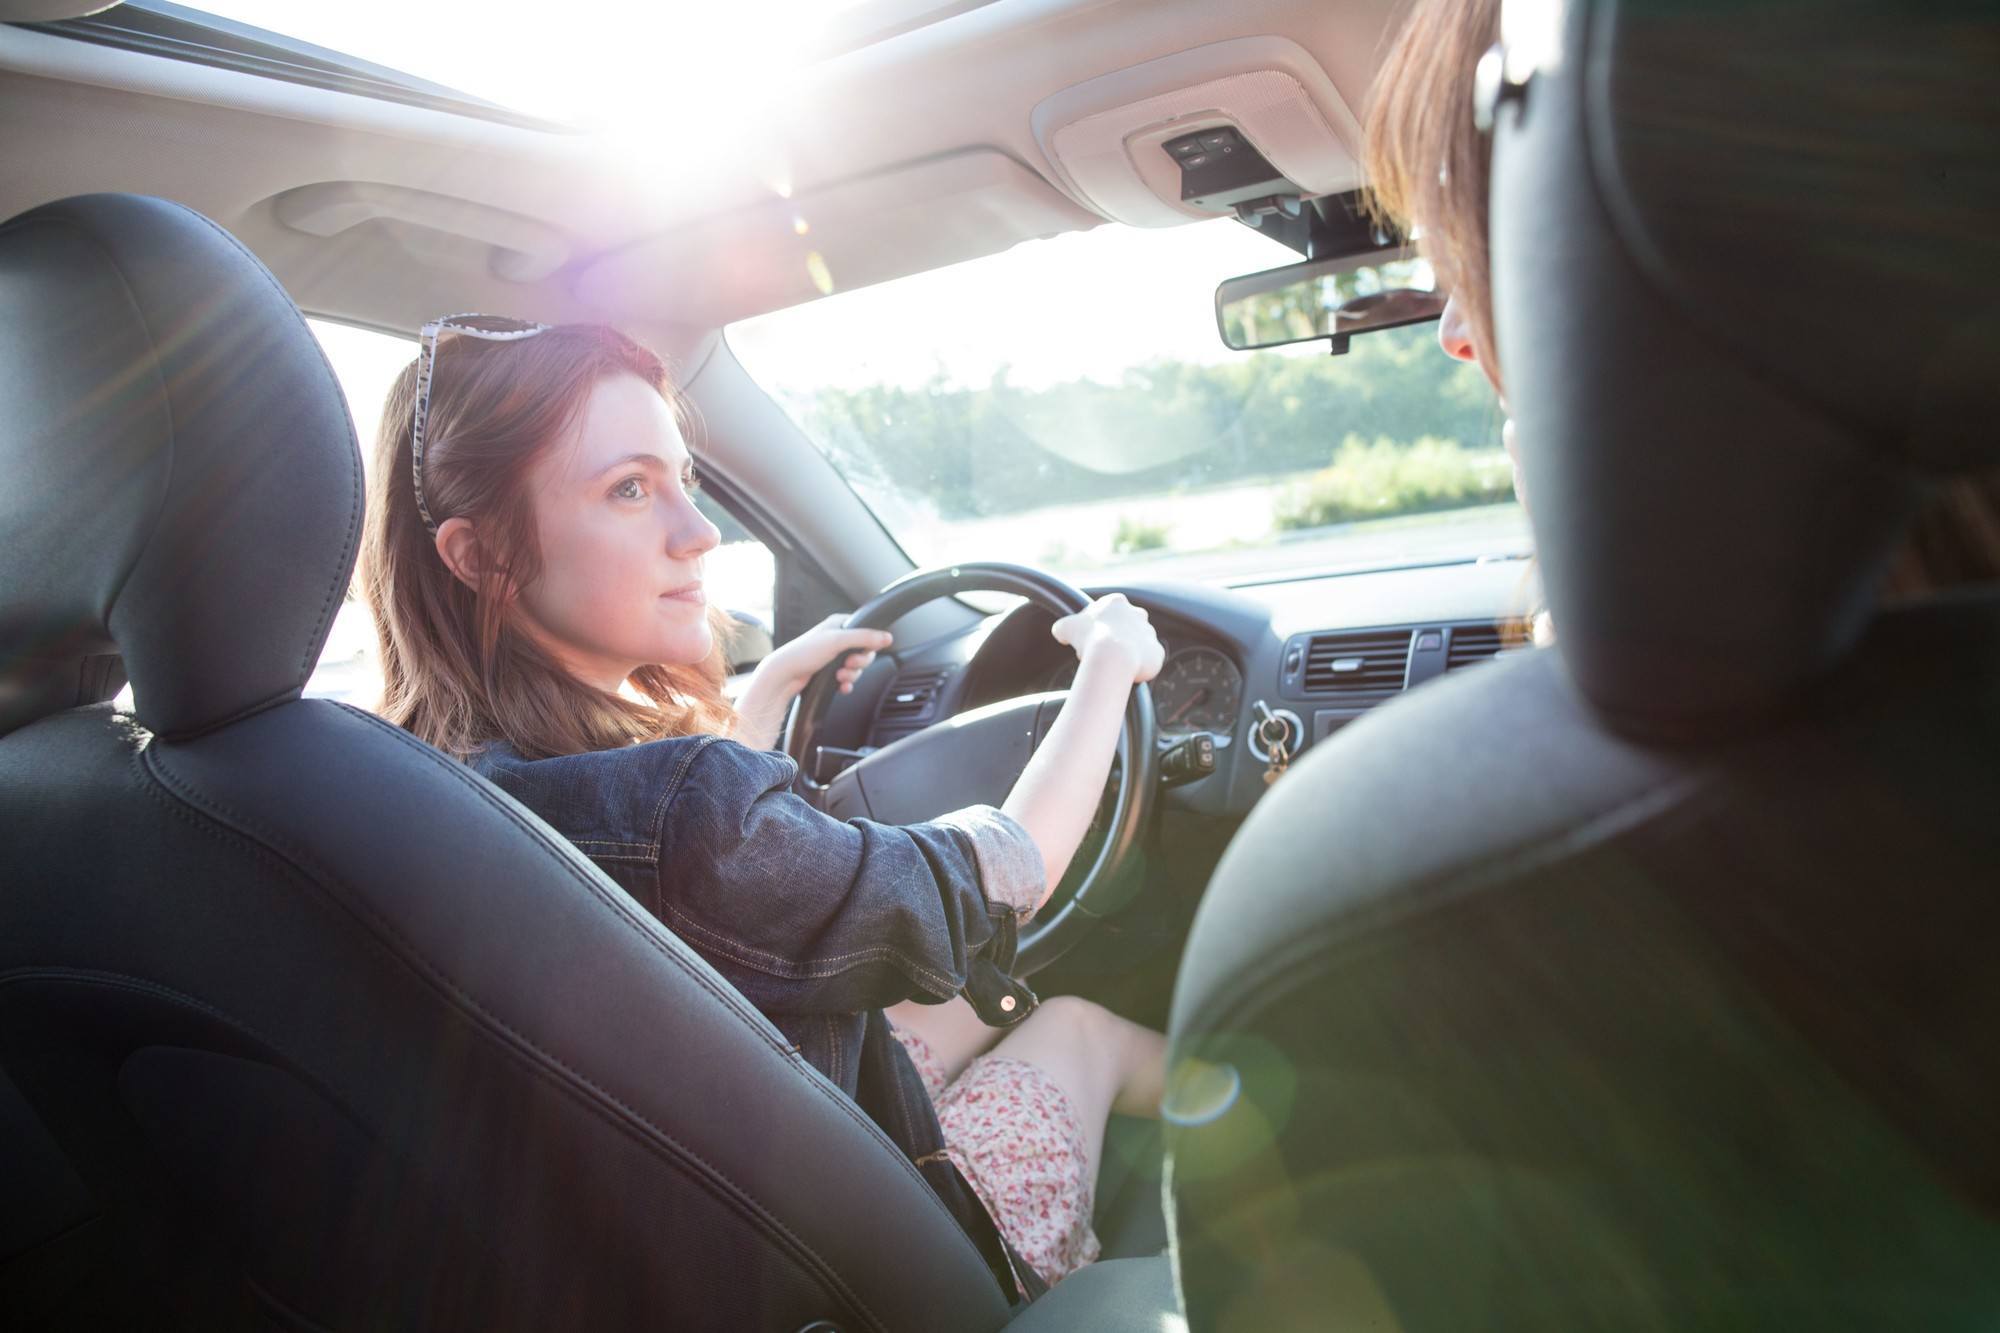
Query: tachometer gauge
(1062, 675)
(1197, 690)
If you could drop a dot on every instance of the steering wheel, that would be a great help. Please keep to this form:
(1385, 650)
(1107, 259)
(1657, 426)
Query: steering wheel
(974, 758)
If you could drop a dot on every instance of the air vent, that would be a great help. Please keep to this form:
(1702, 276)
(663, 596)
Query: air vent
(1472, 644)
(912, 699)
(1368, 663)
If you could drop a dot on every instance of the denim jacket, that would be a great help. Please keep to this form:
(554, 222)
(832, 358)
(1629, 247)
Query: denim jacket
(819, 923)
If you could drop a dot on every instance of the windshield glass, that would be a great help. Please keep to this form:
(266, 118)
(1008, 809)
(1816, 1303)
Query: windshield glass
(1069, 404)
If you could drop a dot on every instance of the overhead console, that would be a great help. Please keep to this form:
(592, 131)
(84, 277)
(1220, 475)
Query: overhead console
(1246, 126)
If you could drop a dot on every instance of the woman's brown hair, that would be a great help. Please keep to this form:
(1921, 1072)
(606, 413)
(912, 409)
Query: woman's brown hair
(1427, 164)
(458, 668)
(1429, 172)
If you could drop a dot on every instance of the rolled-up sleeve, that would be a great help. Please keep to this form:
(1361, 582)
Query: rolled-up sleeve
(1011, 869)
(807, 913)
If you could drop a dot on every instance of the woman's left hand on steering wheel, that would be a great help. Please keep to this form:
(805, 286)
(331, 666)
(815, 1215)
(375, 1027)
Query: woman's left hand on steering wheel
(779, 677)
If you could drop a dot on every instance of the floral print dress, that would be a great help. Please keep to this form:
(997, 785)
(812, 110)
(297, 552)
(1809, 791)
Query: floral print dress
(1013, 1132)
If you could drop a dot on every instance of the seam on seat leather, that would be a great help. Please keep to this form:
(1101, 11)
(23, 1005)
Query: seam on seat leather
(68, 224)
(344, 565)
(657, 937)
(140, 985)
(215, 820)
(158, 990)
(644, 923)
(1376, 913)
(652, 931)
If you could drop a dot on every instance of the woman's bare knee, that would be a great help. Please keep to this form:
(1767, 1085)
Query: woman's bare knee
(1129, 1057)
(952, 1030)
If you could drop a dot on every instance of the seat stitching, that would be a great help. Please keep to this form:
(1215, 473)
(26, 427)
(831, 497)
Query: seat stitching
(119, 981)
(71, 224)
(647, 926)
(576, 1080)
(344, 566)
(1371, 917)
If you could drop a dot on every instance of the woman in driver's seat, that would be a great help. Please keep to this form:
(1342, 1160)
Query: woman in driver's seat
(536, 580)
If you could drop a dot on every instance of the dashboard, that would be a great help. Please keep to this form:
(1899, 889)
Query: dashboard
(1318, 652)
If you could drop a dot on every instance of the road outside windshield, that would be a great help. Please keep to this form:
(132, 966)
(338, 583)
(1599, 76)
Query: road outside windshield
(1069, 404)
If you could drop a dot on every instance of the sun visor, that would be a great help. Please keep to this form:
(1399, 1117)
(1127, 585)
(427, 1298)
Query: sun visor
(49, 11)
(1112, 140)
(457, 232)
(854, 234)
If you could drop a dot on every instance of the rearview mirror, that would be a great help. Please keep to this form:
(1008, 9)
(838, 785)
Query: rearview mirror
(1326, 298)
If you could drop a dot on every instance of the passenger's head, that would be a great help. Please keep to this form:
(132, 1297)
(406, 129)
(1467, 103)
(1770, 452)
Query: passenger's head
(1428, 164)
(538, 604)
(1429, 171)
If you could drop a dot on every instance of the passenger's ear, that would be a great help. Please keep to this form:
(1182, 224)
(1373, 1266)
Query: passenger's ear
(460, 549)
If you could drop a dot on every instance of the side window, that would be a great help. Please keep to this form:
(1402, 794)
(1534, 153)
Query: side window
(757, 575)
(741, 573)
(366, 363)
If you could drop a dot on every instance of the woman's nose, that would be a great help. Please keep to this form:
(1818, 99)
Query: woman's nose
(1454, 334)
(691, 533)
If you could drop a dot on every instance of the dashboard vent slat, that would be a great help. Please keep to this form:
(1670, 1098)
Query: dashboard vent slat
(1371, 662)
(1473, 644)
(912, 698)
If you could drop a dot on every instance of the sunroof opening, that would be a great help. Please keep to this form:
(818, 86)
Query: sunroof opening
(595, 67)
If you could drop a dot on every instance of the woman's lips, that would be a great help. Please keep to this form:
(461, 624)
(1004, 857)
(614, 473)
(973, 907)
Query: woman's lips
(692, 593)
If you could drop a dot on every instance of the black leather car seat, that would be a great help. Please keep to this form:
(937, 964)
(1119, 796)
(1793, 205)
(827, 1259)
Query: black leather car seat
(1648, 982)
(333, 1034)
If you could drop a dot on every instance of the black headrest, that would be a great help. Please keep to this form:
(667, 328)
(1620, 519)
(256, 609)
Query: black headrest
(1747, 300)
(181, 485)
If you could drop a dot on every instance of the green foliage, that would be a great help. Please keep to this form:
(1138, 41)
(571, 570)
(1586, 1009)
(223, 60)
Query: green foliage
(1135, 535)
(1167, 426)
(1378, 479)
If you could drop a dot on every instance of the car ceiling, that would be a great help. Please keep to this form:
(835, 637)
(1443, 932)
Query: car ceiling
(905, 154)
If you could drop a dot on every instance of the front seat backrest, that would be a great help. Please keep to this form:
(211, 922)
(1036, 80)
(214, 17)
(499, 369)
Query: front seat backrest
(335, 1034)
(1647, 982)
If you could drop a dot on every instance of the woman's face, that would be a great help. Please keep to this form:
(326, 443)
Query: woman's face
(1455, 336)
(621, 541)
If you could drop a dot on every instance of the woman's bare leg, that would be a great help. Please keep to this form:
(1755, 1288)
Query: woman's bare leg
(955, 1033)
(1103, 1062)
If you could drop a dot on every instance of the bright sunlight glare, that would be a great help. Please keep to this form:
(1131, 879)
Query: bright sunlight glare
(608, 67)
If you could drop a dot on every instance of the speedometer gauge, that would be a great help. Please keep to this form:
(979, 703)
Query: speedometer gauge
(1197, 690)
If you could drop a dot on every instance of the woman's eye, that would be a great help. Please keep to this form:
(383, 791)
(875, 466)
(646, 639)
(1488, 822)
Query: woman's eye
(632, 488)
(690, 482)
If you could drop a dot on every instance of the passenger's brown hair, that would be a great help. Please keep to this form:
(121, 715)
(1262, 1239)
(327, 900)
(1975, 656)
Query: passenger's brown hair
(1427, 164)
(1429, 171)
(458, 668)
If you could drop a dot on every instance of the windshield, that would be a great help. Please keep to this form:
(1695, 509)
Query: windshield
(1069, 404)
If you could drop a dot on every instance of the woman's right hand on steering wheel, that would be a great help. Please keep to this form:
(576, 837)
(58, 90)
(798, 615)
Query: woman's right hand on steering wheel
(1111, 627)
